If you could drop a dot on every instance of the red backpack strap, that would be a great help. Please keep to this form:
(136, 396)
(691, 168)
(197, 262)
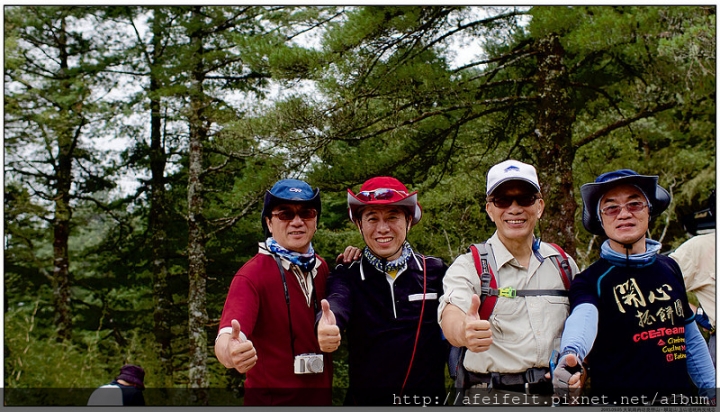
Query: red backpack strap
(487, 283)
(563, 265)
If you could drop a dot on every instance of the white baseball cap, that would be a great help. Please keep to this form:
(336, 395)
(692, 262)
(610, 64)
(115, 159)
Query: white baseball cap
(511, 170)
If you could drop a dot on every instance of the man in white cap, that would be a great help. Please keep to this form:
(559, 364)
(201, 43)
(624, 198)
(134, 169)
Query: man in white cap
(511, 338)
(630, 319)
(386, 303)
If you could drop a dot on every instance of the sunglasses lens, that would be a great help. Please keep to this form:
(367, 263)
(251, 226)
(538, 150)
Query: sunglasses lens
(634, 207)
(307, 214)
(526, 201)
(285, 215)
(611, 210)
(502, 202)
(384, 194)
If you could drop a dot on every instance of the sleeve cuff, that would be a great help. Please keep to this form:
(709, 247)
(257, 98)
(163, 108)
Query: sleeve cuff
(228, 330)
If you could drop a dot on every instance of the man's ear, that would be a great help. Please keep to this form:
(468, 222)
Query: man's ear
(267, 223)
(541, 208)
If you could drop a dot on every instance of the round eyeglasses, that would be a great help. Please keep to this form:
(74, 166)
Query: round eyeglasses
(614, 210)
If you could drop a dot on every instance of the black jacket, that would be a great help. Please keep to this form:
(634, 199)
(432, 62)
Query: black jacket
(380, 322)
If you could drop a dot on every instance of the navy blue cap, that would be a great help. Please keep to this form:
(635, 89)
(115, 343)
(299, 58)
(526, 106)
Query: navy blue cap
(657, 196)
(289, 191)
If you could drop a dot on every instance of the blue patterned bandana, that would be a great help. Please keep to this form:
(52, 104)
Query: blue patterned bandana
(638, 260)
(305, 261)
(383, 265)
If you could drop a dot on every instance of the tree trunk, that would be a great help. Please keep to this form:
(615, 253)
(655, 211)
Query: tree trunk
(555, 117)
(162, 298)
(197, 311)
(63, 209)
(61, 259)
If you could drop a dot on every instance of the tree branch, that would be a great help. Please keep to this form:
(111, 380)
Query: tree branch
(623, 122)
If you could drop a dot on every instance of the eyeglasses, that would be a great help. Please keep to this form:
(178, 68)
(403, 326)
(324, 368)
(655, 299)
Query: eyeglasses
(614, 210)
(504, 202)
(288, 215)
(379, 194)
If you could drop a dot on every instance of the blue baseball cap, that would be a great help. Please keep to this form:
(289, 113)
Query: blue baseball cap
(658, 198)
(289, 191)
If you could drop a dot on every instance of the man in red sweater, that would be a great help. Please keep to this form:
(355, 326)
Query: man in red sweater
(267, 327)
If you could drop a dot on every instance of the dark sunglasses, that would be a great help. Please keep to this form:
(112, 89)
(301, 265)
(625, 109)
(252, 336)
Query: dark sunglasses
(379, 194)
(504, 202)
(287, 215)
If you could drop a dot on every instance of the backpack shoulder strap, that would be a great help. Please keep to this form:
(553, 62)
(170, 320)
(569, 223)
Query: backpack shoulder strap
(563, 266)
(484, 265)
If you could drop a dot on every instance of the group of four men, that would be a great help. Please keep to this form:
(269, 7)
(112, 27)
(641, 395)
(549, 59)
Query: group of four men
(506, 303)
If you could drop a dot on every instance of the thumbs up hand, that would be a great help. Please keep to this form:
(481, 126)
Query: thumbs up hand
(478, 336)
(236, 331)
(568, 376)
(240, 351)
(328, 332)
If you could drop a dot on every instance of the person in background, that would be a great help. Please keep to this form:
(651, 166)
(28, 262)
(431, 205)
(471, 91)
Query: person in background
(630, 316)
(267, 326)
(126, 389)
(386, 303)
(696, 258)
(509, 351)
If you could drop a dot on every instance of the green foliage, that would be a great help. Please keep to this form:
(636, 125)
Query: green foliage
(384, 100)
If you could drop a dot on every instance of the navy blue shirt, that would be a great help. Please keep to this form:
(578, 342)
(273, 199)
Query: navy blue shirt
(640, 345)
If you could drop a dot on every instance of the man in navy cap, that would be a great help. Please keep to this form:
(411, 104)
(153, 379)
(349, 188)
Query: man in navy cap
(630, 315)
(267, 327)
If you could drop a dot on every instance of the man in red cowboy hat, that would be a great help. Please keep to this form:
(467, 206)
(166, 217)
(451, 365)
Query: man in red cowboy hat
(630, 314)
(386, 303)
(267, 327)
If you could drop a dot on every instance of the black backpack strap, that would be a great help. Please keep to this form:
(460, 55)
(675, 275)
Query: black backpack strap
(512, 292)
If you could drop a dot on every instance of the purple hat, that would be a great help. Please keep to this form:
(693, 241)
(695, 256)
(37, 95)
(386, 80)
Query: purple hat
(133, 374)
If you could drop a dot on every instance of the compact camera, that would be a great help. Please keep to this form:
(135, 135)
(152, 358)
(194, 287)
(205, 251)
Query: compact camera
(309, 363)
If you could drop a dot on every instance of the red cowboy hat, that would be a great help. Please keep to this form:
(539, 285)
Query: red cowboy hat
(384, 190)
